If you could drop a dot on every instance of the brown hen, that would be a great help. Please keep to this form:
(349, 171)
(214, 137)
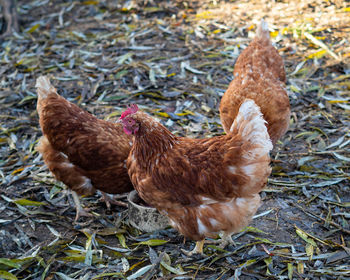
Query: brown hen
(85, 153)
(259, 75)
(205, 186)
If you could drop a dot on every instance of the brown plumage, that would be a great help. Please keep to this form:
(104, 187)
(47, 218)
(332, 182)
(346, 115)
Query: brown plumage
(204, 186)
(83, 152)
(259, 75)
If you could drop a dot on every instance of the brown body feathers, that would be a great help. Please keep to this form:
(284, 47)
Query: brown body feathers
(259, 75)
(82, 151)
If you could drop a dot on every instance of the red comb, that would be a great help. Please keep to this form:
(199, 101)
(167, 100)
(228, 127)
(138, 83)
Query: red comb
(130, 110)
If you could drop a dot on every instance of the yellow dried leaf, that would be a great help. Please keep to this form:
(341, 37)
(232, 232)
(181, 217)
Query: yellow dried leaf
(295, 89)
(309, 249)
(274, 34)
(17, 170)
(163, 114)
(317, 54)
(136, 265)
(33, 28)
(204, 15)
(300, 267)
(19, 62)
(337, 101)
(251, 27)
(90, 2)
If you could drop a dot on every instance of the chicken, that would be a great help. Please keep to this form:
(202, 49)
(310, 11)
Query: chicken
(85, 153)
(259, 75)
(205, 186)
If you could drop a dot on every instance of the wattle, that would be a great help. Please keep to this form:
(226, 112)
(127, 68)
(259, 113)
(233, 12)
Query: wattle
(128, 132)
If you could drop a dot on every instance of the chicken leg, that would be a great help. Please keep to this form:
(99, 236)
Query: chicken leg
(80, 211)
(198, 249)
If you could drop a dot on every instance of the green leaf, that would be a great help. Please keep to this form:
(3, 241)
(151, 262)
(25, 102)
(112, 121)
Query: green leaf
(343, 158)
(106, 275)
(290, 271)
(140, 272)
(54, 190)
(110, 231)
(309, 249)
(10, 263)
(27, 98)
(121, 74)
(253, 229)
(305, 237)
(27, 202)
(248, 263)
(63, 276)
(88, 247)
(172, 269)
(152, 242)
(7, 275)
(124, 57)
(122, 240)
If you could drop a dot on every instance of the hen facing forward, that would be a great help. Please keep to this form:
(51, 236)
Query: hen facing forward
(259, 75)
(83, 152)
(204, 186)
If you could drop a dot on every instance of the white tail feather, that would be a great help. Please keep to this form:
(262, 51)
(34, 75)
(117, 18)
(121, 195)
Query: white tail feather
(263, 30)
(251, 125)
(44, 86)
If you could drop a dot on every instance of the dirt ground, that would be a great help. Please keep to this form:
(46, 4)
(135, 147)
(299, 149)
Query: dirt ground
(175, 59)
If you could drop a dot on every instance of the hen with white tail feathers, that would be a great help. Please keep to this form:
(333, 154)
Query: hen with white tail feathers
(259, 75)
(205, 186)
(85, 153)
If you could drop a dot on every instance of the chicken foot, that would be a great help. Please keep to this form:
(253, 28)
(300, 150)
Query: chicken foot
(198, 249)
(225, 239)
(108, 199)
(80, 211)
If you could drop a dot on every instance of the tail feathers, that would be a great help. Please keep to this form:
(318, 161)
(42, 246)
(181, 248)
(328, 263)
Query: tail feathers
(44, 87)
(250, 124)
(263, 30)
(63, 169)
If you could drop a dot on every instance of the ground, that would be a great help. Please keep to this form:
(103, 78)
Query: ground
(175, 59)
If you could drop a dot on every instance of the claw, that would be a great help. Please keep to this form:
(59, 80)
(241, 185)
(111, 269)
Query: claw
(80, 211)
(198, 249)
(108, 199)
(225, 240)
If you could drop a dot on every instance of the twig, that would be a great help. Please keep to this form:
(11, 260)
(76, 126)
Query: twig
(311, 153)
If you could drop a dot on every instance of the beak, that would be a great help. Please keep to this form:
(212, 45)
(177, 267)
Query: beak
(119, 121)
